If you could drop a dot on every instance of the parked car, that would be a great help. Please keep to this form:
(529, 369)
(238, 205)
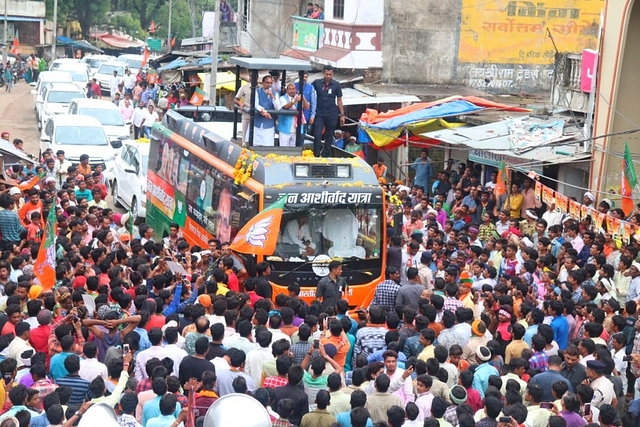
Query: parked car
(108, 115)
(56, 98)
(134, 62)
(62, 61)
(94, 61)
(45, 78)
(129, 183)
(80, 73)
(105, 72)
(78, 135)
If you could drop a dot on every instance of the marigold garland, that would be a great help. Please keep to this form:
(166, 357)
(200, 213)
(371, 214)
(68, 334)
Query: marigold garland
(244, 167)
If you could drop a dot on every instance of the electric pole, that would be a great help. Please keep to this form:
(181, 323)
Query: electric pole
(4, 46)
(169, 27)
(214, 54)
(55, 30)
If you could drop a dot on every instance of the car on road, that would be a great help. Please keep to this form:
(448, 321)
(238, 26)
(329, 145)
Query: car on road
(80, 73)
(129, 185)
(107, 114)
(62, 61)
(56, 98)
(105, 72)
(94, 61)
(134, 62)
(78, 135)
(45, 78)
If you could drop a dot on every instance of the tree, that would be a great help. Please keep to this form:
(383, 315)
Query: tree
(86, 12)
(146, 10)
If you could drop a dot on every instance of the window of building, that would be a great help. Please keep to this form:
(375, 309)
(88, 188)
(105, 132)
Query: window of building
(338, 9)
(246, 13)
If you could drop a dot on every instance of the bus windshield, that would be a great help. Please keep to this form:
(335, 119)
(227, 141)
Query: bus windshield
(341, 231)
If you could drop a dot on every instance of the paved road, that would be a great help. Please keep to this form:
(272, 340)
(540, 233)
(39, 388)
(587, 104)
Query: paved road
(17, 115)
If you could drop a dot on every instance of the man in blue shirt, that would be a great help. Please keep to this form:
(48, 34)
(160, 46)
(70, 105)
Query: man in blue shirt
(484, 370)
(151, 409)
(424, 170)
(550, 376)
(330, 111)
(560, 325)
(309, 94)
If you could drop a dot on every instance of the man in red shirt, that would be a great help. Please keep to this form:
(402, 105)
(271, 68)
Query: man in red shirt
(232, 280)
(14, 313)
(250, 287)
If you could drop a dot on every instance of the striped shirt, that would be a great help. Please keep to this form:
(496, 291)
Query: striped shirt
(10, 226)
(78, 386)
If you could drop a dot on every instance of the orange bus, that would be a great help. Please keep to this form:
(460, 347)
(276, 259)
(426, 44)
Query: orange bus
(211, 187)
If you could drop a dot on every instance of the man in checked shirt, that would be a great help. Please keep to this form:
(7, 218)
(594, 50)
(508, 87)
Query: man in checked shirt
(387, 291)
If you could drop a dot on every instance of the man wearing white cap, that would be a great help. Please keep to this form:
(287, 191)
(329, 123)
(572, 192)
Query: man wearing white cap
(18, 200)
(589, 199)
(633, 293)
(528, 224)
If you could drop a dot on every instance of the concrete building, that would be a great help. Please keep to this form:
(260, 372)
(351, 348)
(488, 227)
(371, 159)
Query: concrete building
(26, 19)
(501, 46)
(617, 106)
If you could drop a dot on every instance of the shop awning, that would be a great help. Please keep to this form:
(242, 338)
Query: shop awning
(393, 128)
(224, 80)
(501, 141)
(80, 44)
(119, 41)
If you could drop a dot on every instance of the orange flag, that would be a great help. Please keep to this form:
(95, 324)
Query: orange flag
(28, 185)
(152, 27)
(501, 188)
(15, 47)
(197, 98)
(44, 267)
(260, 235)
(145, 57)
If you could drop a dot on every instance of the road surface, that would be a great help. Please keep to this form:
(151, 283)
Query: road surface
(18, 116)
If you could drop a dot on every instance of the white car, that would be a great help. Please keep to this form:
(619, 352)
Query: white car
(78, 135)
(56, 98)
(130, 177)
(94, 61)
(80, 73)
(105, 73)
(45, 78)
(134, 62)
(107, 114)
(62, 61)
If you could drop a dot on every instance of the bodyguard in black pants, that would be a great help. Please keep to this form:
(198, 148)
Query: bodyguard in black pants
(329, 112)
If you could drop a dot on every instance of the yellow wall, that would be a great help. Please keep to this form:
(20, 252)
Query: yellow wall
(508, 42)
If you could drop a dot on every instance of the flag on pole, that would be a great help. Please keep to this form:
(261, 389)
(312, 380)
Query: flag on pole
(260, 235)
(629, 180)
(44, 267)
(197, 98)
(172, 42)
(500, 188)
(28, 185)
(15, 47)
(145, 57)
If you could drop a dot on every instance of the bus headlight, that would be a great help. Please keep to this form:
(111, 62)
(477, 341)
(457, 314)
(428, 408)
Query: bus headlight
(301, 171)
(343, 171)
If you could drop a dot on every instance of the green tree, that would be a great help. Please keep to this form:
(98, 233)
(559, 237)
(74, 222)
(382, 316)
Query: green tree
(125, 22)
(146, 10)
(86, 12)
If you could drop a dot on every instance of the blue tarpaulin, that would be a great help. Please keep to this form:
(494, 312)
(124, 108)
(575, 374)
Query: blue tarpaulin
(179, 63)
(448, 109)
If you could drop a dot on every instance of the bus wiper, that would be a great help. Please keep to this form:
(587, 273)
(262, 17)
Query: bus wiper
(295, 269)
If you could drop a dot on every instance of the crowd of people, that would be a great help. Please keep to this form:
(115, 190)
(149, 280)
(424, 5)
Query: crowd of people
(496, 311)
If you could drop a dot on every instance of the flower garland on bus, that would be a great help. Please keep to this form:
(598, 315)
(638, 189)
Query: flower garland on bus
(244, 167)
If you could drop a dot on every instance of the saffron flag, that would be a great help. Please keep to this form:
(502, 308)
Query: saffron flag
(197, 98)
(172, 42)
(260, 235)
(28, 185)
(152, 28)
(502, 178)
(44, 267)
(629, 180)
(145, 57)
(15, 47)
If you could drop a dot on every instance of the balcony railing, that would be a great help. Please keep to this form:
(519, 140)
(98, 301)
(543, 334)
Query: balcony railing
(308, 34)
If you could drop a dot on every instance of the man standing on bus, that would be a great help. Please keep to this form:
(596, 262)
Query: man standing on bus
(309, 95)
(329, 111)
(263, 123)
(287, 125)
(330, 288)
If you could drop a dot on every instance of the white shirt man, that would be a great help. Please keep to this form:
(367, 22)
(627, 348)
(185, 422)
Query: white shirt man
(297, 232)
(114, 82)
(287, 124)
(91, 369)
(129, 80)
(138, 115)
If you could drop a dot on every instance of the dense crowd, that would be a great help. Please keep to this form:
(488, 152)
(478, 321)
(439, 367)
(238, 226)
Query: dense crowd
(495, 311)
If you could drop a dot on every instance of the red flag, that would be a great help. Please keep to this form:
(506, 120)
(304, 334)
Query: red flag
(172, 42)
(44, 267)
(626, 193)
(15, 47)
(152, 27)
(260, 235)
(145, 57)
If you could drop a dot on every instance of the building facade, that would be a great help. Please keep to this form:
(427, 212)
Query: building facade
(617, 108)
(25, 20)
